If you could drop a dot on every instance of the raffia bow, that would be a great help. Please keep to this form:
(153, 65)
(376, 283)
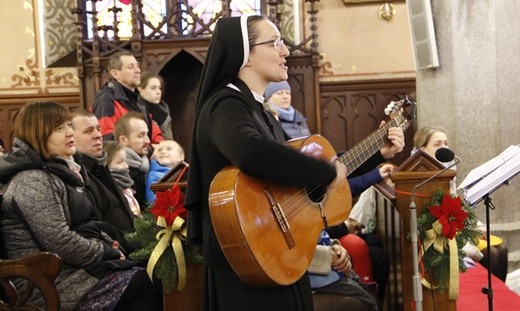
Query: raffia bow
(440, 243)
(173, 236)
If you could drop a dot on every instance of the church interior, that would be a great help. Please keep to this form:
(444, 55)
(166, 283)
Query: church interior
(457, 60)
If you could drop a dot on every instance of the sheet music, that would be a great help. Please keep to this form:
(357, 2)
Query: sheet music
(483, 170)
(495, 178)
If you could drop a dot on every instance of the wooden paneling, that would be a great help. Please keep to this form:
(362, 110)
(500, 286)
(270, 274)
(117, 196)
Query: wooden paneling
(350, 111)
(10, 105)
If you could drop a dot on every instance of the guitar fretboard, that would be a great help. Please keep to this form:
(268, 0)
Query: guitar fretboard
(367, 147)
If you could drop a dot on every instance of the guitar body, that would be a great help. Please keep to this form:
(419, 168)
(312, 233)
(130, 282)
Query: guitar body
(252, 235)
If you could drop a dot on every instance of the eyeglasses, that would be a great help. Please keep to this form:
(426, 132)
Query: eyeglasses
(277, 43)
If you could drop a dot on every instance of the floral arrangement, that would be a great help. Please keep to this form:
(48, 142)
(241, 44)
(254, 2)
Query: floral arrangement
(446, 225)
(161, 232)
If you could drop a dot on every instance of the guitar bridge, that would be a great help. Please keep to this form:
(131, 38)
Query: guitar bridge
(280, 218)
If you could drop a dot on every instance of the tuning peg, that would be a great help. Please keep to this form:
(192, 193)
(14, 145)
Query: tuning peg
(389, 108)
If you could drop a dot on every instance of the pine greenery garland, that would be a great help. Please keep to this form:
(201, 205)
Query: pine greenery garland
(165, 270)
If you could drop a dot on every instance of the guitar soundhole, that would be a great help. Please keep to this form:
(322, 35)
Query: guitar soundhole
(317, 194)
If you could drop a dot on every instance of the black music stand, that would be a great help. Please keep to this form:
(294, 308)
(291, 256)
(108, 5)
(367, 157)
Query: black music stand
(481, 183)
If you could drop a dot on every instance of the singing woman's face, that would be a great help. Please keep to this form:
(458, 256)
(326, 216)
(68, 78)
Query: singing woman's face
(267, 57)
(437, 140)
(61, 142)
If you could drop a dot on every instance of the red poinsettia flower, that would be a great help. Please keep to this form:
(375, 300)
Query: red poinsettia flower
(169, 204)
(450, 214)
(125, 1)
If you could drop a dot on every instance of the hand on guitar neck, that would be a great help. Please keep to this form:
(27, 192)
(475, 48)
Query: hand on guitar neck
(395, 142)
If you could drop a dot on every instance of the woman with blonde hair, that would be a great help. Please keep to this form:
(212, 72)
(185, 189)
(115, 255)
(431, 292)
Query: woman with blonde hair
(429, 139)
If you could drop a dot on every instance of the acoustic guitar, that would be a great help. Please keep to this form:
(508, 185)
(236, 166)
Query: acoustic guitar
(269, 232)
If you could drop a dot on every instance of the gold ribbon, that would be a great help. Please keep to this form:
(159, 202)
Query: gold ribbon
(170, 235)
(439, 242)
(434, 237)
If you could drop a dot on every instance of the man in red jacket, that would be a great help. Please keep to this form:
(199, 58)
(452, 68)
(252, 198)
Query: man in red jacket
(119, 96)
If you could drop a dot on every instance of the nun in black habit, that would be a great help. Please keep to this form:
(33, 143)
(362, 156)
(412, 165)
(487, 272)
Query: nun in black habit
(232, 128)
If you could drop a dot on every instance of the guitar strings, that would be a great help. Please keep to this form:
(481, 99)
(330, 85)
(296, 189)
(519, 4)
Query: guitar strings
(352, 159)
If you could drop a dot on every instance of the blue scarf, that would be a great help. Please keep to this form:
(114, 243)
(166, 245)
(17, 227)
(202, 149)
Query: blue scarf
(285, 114)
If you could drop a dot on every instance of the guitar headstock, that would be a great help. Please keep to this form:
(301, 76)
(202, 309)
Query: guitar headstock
(402, 112)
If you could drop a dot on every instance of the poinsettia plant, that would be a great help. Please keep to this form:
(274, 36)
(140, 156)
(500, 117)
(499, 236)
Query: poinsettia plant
(450, 215)
(161, 232)
(169, 205)
(446, 225)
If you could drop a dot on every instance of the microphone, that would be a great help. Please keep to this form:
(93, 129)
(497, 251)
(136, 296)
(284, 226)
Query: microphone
(442, 155)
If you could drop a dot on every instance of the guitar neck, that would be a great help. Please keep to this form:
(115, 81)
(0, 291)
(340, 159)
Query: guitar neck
(366, 148)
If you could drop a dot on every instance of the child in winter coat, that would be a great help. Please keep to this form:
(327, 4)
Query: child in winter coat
(116, 159)
(168, 154)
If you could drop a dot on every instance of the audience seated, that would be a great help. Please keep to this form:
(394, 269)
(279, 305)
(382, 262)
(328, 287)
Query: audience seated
(109, 199)
(131, 131)
(116, 161)
(370, 260)
(293, 122)
(340, 279)
(150, 92)
(118, 96)
(45, 207)
(278, 96)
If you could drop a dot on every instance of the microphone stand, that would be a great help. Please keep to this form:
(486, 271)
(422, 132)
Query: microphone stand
(416, 278)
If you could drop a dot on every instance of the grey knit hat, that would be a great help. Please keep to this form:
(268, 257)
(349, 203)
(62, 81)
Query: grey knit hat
(274, 87)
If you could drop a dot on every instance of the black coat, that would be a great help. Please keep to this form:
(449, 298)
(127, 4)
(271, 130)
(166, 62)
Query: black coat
(108, 196)
(233, 129)
(139, 186)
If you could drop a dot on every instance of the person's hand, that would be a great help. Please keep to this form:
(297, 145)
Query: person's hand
(115, 245)
(354, 226)
(340, 259)
(396, 141)
(385, 170)
(341, 175)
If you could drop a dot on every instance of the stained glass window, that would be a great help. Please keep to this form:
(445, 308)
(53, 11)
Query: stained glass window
(155, 12)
